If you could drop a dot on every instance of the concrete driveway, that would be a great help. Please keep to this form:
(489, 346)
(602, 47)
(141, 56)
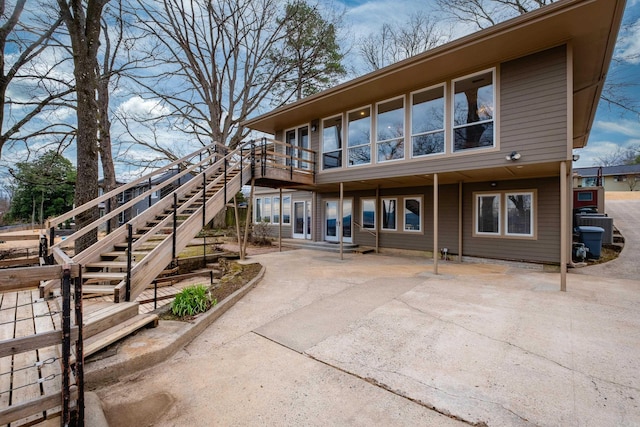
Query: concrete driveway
(380, 340)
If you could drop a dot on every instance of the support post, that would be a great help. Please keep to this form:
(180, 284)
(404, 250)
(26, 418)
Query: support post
(280, 223)
(460, 201)
(175, 227)
(127, 296)
(155, 294)
(66, 346)
(435, 223)
(563, 227)
(340, 218)
(204, 219)
(226, 162)
(149, 200)
(79, 349)
(237, 217)
(377, 217)
(108, 212)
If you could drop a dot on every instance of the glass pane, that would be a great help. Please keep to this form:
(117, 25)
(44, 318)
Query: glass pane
(473, 136)
(391, 150)
(346, 219)
(412, 214)
(360, 127)
(332, 219)
(488, 214)
(431, 143)
(332, 159)
(286, 210)
(369, 214)
(389, 214)
(258, 209)
(276, 210)
(299, 218)
(519, 214)
(266, 215)
(332, 134)
(473, 99)
(390, 121)
(427, 112)
(359, 155)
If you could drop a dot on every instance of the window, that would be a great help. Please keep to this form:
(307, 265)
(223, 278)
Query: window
(591, 181)
(276, 210)
(389, 214)
(390, 130)
(359, 137)
(368, 214)
(488, 214)
(584, 196)
(332, 143)
(619, 178)
(427, 122)
(412, 209)
(519, 214)
(258, 211)
(473, 106)
(286, 209)
(508, 213)
(266, 212)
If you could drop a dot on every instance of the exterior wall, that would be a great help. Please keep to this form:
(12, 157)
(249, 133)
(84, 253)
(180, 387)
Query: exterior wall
(531, 119)
(545, 248)
(287, 229)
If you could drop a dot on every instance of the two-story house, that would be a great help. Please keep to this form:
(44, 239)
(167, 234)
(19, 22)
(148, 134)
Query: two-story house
(467, 146)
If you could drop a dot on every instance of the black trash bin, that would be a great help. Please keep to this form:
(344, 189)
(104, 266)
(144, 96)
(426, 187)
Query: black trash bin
(592, 239)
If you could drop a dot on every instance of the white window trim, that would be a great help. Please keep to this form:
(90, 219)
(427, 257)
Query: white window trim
(444, 121)
(404, 131)
(531, 218)
(476, 212)
(382, 228)
(404, 213)
(284, 204)
(452, 108)
(503, 215)
(375, 214)
(370, 144)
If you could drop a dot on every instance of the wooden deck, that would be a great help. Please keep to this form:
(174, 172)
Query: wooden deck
(34, 374)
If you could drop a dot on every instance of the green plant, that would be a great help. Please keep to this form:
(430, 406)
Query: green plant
(192, 300)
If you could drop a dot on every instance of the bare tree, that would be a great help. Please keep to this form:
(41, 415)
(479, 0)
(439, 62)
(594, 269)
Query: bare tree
(620, 156)
(32, 75)
(395, 42)
(486, 13)
(82, 19)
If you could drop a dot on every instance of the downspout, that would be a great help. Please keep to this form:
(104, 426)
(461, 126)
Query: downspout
(563, 226)
(435, 223)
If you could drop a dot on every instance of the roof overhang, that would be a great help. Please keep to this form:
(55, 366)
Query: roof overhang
(590, 27)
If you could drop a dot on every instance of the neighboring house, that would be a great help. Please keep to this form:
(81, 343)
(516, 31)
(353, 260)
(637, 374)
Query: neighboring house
(140, 189)
(467, 146)
(612, 178)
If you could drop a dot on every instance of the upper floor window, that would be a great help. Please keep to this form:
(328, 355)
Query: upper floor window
(473, 107)
(332, 143)
(359, 136)
(390, 130)
(427, 122)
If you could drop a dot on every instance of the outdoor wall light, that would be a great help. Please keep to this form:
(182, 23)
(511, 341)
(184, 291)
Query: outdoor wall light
(313, 128)
(513, 156)
(576, 157)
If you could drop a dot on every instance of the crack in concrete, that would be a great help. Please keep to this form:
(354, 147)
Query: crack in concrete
(586, 375)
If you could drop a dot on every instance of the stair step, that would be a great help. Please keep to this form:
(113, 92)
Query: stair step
(116, 254)
(97, 289)
(108, 317)
(107, 264)
(109, 336)
(115, 275)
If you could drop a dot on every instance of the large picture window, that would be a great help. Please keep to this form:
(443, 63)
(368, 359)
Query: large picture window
(276, 210)
(359, 137)
(332, 143)
(389, 208)
(390, 130)
(286, 209)
(266, 209)
(473, 108)
(368, 214)
(412, 214)
(427, 122)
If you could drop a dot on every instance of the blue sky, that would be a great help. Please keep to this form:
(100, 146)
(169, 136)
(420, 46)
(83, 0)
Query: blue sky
(612, 127)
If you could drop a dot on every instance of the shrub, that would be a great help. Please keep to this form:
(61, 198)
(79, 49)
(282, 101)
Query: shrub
(261, 233)
(192, 300)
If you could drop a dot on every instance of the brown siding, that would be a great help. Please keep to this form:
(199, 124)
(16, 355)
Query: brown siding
(533, 106)
(546, 248)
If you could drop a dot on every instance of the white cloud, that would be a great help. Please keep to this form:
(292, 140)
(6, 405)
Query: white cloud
(624, 127)
(142, 108)
(629, 44)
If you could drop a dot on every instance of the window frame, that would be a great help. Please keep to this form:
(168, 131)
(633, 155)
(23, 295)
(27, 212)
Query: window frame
(413, 94)
(341, 141)
(369, 144)
(286, 209)
(395, 225)
(476, 217)
(531, 214)
(493, 120)
(362, 211)
(503, 213)
(400, 139)
(404, 214)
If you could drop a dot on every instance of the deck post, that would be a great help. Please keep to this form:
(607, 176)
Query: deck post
(460, 221)
(435, 223)
(340, 218)
(66, 346)
(52, 237)
(175, 226)
(79, 349)
(149, 196)
(563, 227)
(225, 182)
(204, 219)
(376, 216)
(108, 212)
(127, 296)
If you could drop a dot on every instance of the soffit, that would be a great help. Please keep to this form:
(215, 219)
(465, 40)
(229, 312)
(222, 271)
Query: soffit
(590, 27)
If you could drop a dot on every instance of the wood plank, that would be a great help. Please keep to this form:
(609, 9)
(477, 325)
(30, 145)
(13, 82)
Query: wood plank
(16, 237)
(110, 336)
(13, 346)
(106, 264)
(18, 412)
(109, 317)
(97, 289)
(25, 385)
(101, 275)
(7, 318)
(30, 277)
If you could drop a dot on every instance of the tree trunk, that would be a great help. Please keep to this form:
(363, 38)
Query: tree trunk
(106, 155)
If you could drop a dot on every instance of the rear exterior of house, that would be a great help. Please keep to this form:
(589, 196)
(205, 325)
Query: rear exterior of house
(466, 147)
